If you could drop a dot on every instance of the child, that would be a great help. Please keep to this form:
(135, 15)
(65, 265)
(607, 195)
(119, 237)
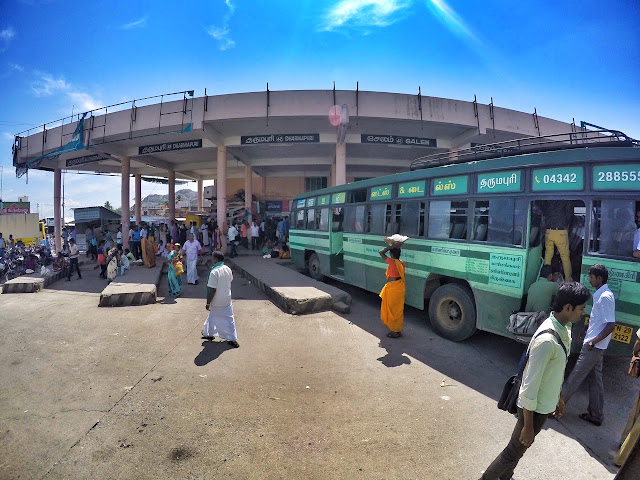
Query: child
(102, 260)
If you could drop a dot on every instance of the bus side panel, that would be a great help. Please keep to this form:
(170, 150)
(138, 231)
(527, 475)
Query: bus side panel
(624, 282)
(493, 310)
(354, 260)
(296, 245)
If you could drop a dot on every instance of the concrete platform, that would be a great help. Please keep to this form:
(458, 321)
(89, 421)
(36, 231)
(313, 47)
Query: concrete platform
(24, 285)
(290, 290)
(136, 287)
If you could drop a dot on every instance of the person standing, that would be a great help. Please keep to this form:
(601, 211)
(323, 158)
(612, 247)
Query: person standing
(175, 281)
(3, 245)
(204, 229)
(11, 243)
(119, 237)
(602, 321)
(542, 291)
(636, 238)
(232, 234)
(192, 248)
(392, 294)
(73, 259)
(542, 378)
(220, 321)
(216, 238)
(174, 232)
(255, 235)
(558, 215)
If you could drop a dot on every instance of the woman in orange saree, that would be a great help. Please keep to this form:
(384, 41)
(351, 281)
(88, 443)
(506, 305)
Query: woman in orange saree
(149, 252)
(392, 294)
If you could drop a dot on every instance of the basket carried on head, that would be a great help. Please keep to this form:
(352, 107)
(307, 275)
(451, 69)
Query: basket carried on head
(395, 241)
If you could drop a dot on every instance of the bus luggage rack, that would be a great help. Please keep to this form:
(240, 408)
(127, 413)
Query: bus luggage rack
(563, 141)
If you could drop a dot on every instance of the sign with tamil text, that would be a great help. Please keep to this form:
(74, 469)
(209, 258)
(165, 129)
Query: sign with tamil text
(382, 192)
(557, 179)
(398, 140)
(170, 146)
(96, 157)
(301, 203)
(280, 138)
(411, 189)
(505, 269)
(7, 208)
(450, 185)
(324, 200)
(617, 177)
(311, 202)
(500, 182)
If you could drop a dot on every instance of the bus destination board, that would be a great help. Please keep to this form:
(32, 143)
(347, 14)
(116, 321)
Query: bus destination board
(500, 182)
(382, 192)
(411, 189)
(301, 203)
(617, 177)
(311, 202)
(339, 197)
(557, 179)
(450, 185)
(324, 200)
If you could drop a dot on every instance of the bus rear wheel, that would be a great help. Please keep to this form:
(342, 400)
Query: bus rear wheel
(314, 268)
(452, 312)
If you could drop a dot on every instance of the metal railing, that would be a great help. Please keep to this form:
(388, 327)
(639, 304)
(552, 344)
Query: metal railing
(563, 141)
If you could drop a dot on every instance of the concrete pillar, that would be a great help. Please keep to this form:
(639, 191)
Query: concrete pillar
(57, 195)
(124, 199)
(172, 195)
(221, 194)
(200, 193)
(248, 191)
(341, 164)
(138, 199)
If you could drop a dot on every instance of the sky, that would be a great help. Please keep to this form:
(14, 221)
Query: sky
(568, 60)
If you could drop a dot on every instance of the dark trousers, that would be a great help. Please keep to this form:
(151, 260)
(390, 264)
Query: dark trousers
(73, 262)
(503, 466)
(232, 249)
(136, 249)
(255, 243)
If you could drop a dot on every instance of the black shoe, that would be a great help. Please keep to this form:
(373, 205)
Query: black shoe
(68, 279)
(233, 344)
(394, 334)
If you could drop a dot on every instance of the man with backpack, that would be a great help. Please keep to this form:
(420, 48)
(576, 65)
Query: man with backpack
(542, 378)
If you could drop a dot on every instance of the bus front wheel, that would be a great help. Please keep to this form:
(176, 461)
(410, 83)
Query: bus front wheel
(314, 268)
(452, 312)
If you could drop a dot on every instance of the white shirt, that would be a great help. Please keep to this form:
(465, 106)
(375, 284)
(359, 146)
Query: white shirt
(232, 233)
(636, 240)
(220, 278)
(143, 233)
(603, 312)
(255, 231)
(119, 238)
(192, 249)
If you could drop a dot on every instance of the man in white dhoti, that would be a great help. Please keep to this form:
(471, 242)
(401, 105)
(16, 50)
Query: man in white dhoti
(220, 322)
(204, 228)
(192, 248)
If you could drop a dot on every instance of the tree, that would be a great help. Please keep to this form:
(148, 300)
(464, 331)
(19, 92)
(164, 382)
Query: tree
(108, 205)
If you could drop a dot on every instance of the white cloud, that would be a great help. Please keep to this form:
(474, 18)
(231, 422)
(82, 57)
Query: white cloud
(222, 33)
(363, 13)
(136, 24)
(6, 34)
(84, 101)
(16, 67)
(46, 85)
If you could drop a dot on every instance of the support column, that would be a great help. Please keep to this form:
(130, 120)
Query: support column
(124, 200)
(248, 191)
(221, 194)
(172, 195)
(200, 201)
(341, 163)
(57, 195)
(138, 199)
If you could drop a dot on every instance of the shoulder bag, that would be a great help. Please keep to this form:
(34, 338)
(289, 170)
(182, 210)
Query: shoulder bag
(526, 323)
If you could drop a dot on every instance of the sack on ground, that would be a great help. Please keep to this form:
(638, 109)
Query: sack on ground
(526, 323)
(509, 398)
(634, 367)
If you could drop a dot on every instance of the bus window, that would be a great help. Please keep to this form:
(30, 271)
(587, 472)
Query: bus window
(322, 217)
(338, 217)
(480, 221)
(392, 219)
(409, 218)
(448, 219)
(300, 219)
(358, 196)
(613, 227)
(506, 221)
(376, 218)
(359, 219)
(311, 219)
(354, 219)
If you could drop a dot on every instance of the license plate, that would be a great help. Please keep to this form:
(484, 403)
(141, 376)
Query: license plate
(622, 334)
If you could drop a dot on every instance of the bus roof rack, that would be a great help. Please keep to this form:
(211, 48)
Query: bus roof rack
(562, 141)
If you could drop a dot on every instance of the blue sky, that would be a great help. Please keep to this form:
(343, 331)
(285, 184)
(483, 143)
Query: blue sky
(570, 59)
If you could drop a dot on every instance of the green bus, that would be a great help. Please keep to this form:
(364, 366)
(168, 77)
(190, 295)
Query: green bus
(476, 227)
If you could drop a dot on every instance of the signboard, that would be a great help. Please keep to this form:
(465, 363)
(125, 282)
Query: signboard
(170, 146)
(398, 140)
(96, 157)
(505, 269)
(7, 208)
(482, 148)
(280, 138)
(339, 197)
(500, 182)
(380, 193)
(324, 200)
(301, 203)
(311, 202)
(617, 177)
(557, 179)
(450, 185)
(411, 189)
(273, 206)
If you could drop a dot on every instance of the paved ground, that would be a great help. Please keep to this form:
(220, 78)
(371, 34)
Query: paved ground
(134, 393)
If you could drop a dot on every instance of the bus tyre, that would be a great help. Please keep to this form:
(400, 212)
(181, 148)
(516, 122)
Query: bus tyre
(452, 312)
(314, 268)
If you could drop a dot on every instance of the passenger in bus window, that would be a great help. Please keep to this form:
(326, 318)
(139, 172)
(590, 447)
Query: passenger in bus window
(557, 217)
(392, 294)
(622, 235)
(541, 292)
(636, 237)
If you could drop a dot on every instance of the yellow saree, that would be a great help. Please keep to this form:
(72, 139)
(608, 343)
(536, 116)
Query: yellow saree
(392, 295)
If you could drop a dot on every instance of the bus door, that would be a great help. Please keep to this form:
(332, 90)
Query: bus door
(335, 241)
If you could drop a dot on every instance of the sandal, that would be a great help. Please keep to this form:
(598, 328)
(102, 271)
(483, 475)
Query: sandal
(394, 334)
(588, 418)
